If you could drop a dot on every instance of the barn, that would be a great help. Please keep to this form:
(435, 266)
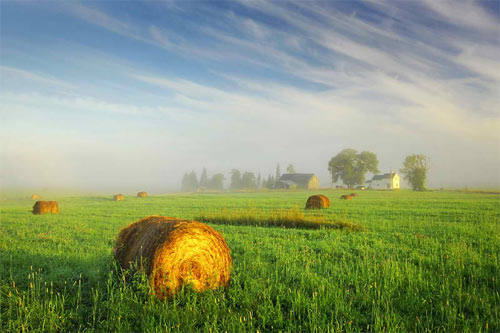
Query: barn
(298, 180)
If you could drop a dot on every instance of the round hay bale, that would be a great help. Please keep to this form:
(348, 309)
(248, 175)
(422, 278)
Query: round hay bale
(118, 197)
(353, 195)
(35, 197)
(346, 197)
(175, 252)
(44, 207)
(317, 202)
(142, 194)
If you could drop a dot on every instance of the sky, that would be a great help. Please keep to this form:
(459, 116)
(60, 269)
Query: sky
(129, 95)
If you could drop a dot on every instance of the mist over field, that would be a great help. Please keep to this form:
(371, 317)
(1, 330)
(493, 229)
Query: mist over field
(129, 96)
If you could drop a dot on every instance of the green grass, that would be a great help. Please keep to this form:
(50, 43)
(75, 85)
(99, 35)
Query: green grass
(426, 261)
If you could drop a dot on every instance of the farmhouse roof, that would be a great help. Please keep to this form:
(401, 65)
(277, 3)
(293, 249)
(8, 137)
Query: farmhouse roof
(296, 177)
(389, 175)
(288, 182)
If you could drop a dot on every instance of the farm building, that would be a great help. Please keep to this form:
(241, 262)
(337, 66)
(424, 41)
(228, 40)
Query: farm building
(387, 181)
(298, 180)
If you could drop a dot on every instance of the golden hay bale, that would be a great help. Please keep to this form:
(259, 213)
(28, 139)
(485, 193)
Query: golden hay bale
(35, 197)
(353, 195)
(142, 194)
(346, 197)
(317, 202)
(43, 207)
(175, 252)
(118, 197)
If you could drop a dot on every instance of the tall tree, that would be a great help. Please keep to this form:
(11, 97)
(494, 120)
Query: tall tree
(278, 173)
(217, 182)
(248, 180)
(351, 167)
(270, 182)
(235, 179)
(259, 181)
(290, 169)
(414, 170)
(193, 181)
(185, 182)
(189, 182)
(204, 178)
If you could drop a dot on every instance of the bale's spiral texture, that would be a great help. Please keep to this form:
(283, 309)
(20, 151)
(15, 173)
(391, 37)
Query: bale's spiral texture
(35, 197)
(354, 195)
(43, 207)
(174, 252)
(118, 197)
(317, 202)
(142, 194)
(325, 199)
(346, 197)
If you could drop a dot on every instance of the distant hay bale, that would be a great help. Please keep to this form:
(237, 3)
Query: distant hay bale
(317, 202)
(175, 252)
(142, 194)
(353, 195)
(118, 197)
(346, 197)
(35, 197)
(44, 207)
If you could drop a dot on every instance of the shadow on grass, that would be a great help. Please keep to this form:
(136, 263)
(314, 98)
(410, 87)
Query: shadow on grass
(18, 266)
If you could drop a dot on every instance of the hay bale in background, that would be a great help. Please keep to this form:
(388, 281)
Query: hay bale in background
(346, 197)
(118, 197)
(175, 252)
(44, 207)
(35, 197)
(317, 202)
(354, 195)
(142, 194)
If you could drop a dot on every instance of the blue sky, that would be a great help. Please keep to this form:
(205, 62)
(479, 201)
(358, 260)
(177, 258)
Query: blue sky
(133, 94)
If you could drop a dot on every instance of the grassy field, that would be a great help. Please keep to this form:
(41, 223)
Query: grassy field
(425, 261)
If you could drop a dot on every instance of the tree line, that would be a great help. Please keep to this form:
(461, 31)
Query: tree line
(190, 182)
(239, 180)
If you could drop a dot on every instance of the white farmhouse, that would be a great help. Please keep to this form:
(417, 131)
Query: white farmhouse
(387, 181)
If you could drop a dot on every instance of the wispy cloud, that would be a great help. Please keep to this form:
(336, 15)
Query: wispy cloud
(97, 17)
(275, 78)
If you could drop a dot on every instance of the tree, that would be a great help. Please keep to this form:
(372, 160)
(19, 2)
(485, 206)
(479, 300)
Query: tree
(290, 169)
(259, 181)
(204, 178)
(217, 182)
(248, 180)
(414, 170)
(235, 179)
(269, 183)
(351, 167)
(184, 184)
(278, 173)
(189, 182)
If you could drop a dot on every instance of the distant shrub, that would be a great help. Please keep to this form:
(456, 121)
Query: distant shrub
(281, 218)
